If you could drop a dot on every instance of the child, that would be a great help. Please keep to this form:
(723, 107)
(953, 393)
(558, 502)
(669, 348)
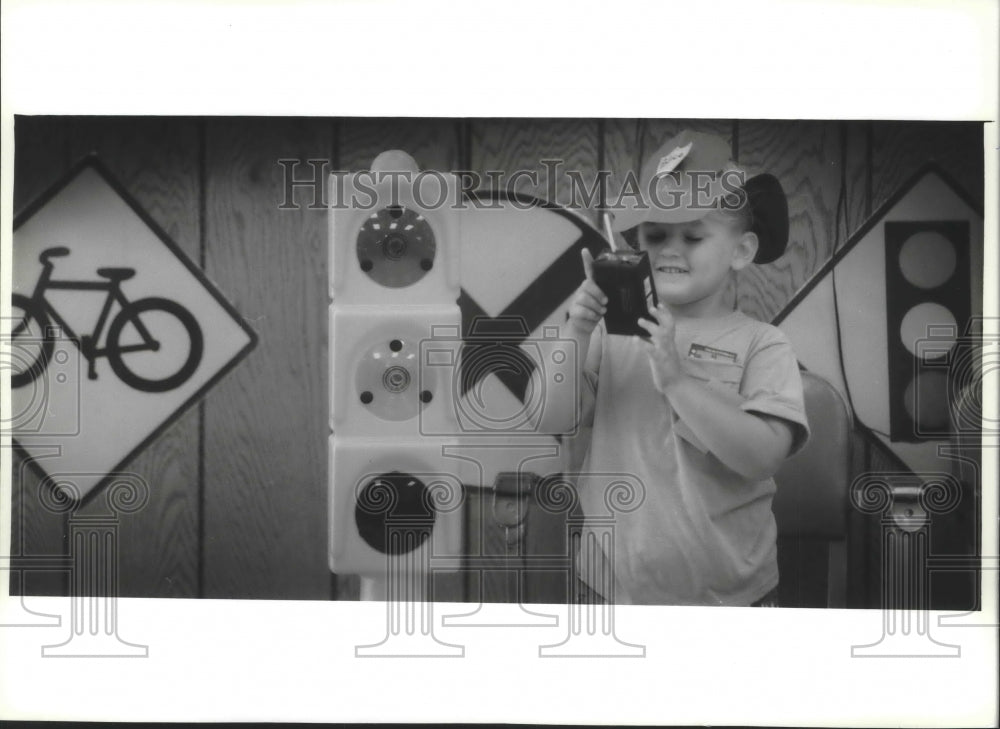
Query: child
(705, 410)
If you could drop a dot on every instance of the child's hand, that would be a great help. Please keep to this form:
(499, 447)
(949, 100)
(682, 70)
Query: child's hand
(661, 348)
(589, 303)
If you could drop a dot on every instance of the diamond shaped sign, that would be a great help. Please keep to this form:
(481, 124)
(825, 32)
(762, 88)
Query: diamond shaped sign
(114, 332)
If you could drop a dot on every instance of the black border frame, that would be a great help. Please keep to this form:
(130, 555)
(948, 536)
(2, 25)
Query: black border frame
(91, 161)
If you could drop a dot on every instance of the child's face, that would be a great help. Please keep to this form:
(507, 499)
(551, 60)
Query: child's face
(692, 262)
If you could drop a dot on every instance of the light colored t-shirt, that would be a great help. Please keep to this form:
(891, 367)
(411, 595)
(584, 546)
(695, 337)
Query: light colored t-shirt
(702, 534)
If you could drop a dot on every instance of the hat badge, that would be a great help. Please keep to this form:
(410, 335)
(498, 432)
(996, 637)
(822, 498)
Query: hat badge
(668, 162)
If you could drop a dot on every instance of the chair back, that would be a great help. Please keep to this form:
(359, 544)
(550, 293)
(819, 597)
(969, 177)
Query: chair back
(812, 496)
(811, 503)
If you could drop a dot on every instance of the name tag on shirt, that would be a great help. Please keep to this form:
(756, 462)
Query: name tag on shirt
(704, 352)
(724, 380)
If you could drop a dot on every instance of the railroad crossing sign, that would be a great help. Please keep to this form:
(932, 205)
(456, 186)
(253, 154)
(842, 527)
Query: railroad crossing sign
(519, 270)
(114, 332)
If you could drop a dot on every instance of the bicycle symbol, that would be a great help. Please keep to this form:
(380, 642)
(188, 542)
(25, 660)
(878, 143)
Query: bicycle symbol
(129, 336)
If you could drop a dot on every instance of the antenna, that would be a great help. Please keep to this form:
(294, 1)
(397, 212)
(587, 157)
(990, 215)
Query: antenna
(608, 232)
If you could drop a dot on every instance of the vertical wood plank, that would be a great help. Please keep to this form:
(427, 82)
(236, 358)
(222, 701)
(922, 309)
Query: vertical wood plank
(41, 156)
(157, 161)
(35, 532)
(858, 584)
(433, 143)
(859, 525)
(484, 538)
(266, 422)
(514, 145)
(546, 536)
(857, 153)
(899, 149)
(879, 461)
(805, 157)
(472, 588)
(623, 149)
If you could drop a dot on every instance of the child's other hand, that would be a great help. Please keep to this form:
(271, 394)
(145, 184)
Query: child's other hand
(661, 348)
(589, 303)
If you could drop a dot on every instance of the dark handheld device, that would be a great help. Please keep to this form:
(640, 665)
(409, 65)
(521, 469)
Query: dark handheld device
(626, 278)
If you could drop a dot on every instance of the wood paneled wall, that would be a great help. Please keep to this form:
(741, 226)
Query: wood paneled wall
(238, 484)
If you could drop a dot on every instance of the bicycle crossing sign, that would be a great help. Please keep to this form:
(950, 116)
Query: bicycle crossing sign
(113, 332)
